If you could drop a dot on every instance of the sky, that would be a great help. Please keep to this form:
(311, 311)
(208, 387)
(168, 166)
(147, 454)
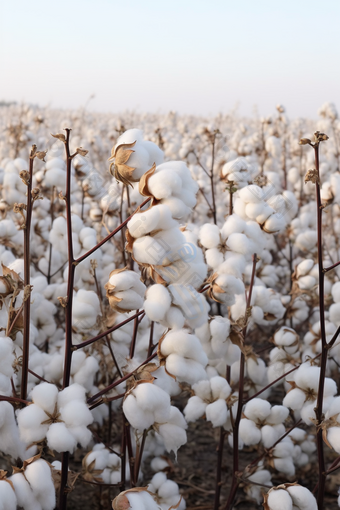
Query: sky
(191, 56)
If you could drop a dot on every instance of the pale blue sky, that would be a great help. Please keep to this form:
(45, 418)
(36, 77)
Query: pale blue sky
(192, 56)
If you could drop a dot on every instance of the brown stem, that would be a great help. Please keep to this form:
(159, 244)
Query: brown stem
(235, 480)
(324, 352)
(134, 337)
(107, 332)
(114, 232)
(68, 312)
(218, 484)
(27, 280)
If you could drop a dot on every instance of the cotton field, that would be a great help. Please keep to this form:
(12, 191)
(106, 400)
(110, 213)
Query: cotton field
(166, 278)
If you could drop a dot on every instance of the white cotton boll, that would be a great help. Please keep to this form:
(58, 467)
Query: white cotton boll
(157, 480)
(139, 419)
(257, 409)
(306, 241)
(219, 387)
(307, 377)
(336, 292)
(10, 442)
(302, 497)
(209, 235)
(8, 500)
(269, 436)
(249, 433)
(239, 243)
(294, 399)
(168, 489)
(217, 412)
(285, 465)
(279, 500)
(255, 209)
(45, 396)
(257, 370)
(278, 414)
(185, 370)
(158, 464)
(274, 223)
(87, 372)
(157, 303)
(333, 437)
(81, 434)
(127, 280)
(334, 313)
(152, 398)
(307, 412)
(306, 282)
(173, 432)
(194, 409)
(251, 194)
(203, 390)
(76, 413)
(38, 475)
(185, 345)
(29, 422)
(214, 257)
(73, 392)
(234, 224)
(100, 456)
(130, 300)
(59, 438)
(164, 183)
(174, 318)
(147, 250)
(304, 267)
(23, 492)
(178, 208)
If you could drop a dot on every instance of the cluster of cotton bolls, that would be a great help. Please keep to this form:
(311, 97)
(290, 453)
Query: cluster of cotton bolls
(212, 398)
(61, 417)
(189, 268)
(102, 465)
(290, 496)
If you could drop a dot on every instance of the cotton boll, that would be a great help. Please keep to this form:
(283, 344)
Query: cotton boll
(76, 413)
(302, 497)
(279, 500)
(45, 396)
(304, 267)
(59, 438)
(257, 370)
(23, 492)
(249, 433)
(333, 437)
(184, 344)
(30, 420)
(72, 392)
(209, 235)
(164, 183)
(194, 409)
(138, 418)
(257, 409)
(8, 500)
(217, 413)
(294, 399)
(268, 435)
(220, 388)
(173, 432)
(239, 243)
(251, 194)
(278, 414)
(334, 313)
(38, 475)
(157, 480)
(157, 303)
(336, 292)
(185, 370)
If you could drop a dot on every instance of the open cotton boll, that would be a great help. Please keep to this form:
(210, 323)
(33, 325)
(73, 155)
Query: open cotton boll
(269, 436)
(194, 409)
(130, 300)
(334, 313)
(184, 344)
(174, 318)
(138, 418)
(173, 431)
(306, 241)
(153, 399)
(278, 414)
(333, 438)
(10, 442)
(239, 243)
(336, 292)
(185, 370)
(219, 387)
(24, 495)
(251, 194)
(178, 208)
(157, 303)
(217, 412)
(45, 396)
(38, 475)
(30, 420)
(257, 409)
(125, 280)
(163, 183)
(8, 500)
(304, 267)
(302, 497)
(209, 235)
(257, 371)
(249, 433)
(279, 500)
(59, 438)
(73, 392)
(157, 480)
(76, 413)
(285, 465)
(294, 399)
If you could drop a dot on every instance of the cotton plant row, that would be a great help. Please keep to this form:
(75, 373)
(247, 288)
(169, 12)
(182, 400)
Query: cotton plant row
(180, 289)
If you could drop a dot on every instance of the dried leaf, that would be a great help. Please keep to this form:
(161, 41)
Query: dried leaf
(81, 151)
(60, 136)
(312, 176)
